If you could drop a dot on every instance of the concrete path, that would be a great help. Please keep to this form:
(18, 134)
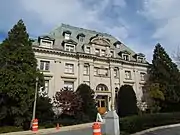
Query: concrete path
(167, 131)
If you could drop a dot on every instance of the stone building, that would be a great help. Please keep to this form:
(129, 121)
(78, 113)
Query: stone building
(69, 56)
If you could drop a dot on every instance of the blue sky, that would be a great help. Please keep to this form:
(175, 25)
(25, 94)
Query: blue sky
(139, 24)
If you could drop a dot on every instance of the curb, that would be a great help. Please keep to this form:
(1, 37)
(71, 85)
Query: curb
(156, 128)
(51, 130)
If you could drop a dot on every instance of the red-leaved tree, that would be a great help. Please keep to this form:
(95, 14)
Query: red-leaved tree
(69, 102)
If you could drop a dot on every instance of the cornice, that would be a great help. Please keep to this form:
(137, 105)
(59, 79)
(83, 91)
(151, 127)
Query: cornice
(89, 56)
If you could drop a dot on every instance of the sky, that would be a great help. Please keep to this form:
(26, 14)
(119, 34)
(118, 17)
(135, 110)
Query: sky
(139, 24)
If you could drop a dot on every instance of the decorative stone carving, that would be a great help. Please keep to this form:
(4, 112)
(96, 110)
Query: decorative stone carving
(100, 41)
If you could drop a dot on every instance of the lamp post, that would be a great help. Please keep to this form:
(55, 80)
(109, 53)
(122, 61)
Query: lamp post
(35, 100)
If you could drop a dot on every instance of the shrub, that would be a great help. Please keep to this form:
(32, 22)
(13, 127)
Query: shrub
(88, 104)
(134, 124)
(127, 102)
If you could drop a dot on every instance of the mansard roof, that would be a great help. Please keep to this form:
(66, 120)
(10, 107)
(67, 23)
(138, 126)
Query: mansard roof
(88, 35)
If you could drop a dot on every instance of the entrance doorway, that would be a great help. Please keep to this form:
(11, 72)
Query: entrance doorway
(102, 103)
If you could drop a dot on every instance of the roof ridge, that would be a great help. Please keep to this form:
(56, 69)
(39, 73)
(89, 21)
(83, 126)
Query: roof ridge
(85, 29)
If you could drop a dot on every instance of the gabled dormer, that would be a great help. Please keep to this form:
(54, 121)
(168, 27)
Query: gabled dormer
(117, 44)
(46, 41)
(81, 37)
(125, 55)
(66, 34)
(140, 57)
(69, 45)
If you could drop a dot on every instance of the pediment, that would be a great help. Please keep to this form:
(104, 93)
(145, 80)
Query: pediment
(100, 41)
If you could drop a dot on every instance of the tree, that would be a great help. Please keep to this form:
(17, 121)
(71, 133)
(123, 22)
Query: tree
(88, 104)
(166, 74)
(69, 102)
(44, 111)
(18, 76)
(127, 102)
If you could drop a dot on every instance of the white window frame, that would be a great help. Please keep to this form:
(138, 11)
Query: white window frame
(116, 72)
(70, 48)
(118, 46)
(96, 71)
(103, 52)
(142, 76)
(111, 53)
(67, 36)
(88, 49)
(128, 75)
(86, 69)
(97, 51)
(44, 65)
(81, 39)
(126, 57)
(69, 85)
(46, 43)
(69, 68)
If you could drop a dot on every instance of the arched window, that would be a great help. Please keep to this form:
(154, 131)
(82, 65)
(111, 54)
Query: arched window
(101, 87)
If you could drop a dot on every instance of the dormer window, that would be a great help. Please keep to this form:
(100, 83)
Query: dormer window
(117, 44)
(140, 57)
(70, 48)
(88, 49)
(67, 34)
(46, 41)
(80, 37)
(125, 57)
(111, 53)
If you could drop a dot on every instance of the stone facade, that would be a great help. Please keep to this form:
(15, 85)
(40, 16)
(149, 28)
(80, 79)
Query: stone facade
(69, 56)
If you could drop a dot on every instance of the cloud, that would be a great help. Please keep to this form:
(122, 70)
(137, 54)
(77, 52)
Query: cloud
(164, 14)
(41, 17)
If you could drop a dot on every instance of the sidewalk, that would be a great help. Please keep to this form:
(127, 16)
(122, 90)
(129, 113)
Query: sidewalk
(51, 130)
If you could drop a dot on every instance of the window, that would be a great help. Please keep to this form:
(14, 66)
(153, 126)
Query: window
(103, 71)
(127, 74)
(88, 49)
(46, 88)
(142, 76)
(125, 57)
(103, 52)
(97, 52)
(95, 71)
(70, 48)
(67, 36)
(115, 72)
(69, 68)
(44, 65)
(111, 53)
(81, 39)
(118, 46)
(69, 85)
(86, 69)
(140, 59)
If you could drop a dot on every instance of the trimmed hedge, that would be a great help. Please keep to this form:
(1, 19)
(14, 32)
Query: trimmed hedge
(138, 123)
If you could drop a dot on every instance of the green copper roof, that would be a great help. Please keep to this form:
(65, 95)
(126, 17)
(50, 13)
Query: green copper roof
(57, 34)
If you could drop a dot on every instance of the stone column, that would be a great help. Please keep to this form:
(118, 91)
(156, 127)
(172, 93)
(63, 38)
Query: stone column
(121, 77)
(136, 78)
(112, 87)
(80, 72)
(91, 75)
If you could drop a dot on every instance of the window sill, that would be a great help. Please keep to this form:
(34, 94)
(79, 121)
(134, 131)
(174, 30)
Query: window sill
(85, 74)
(69, 73)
